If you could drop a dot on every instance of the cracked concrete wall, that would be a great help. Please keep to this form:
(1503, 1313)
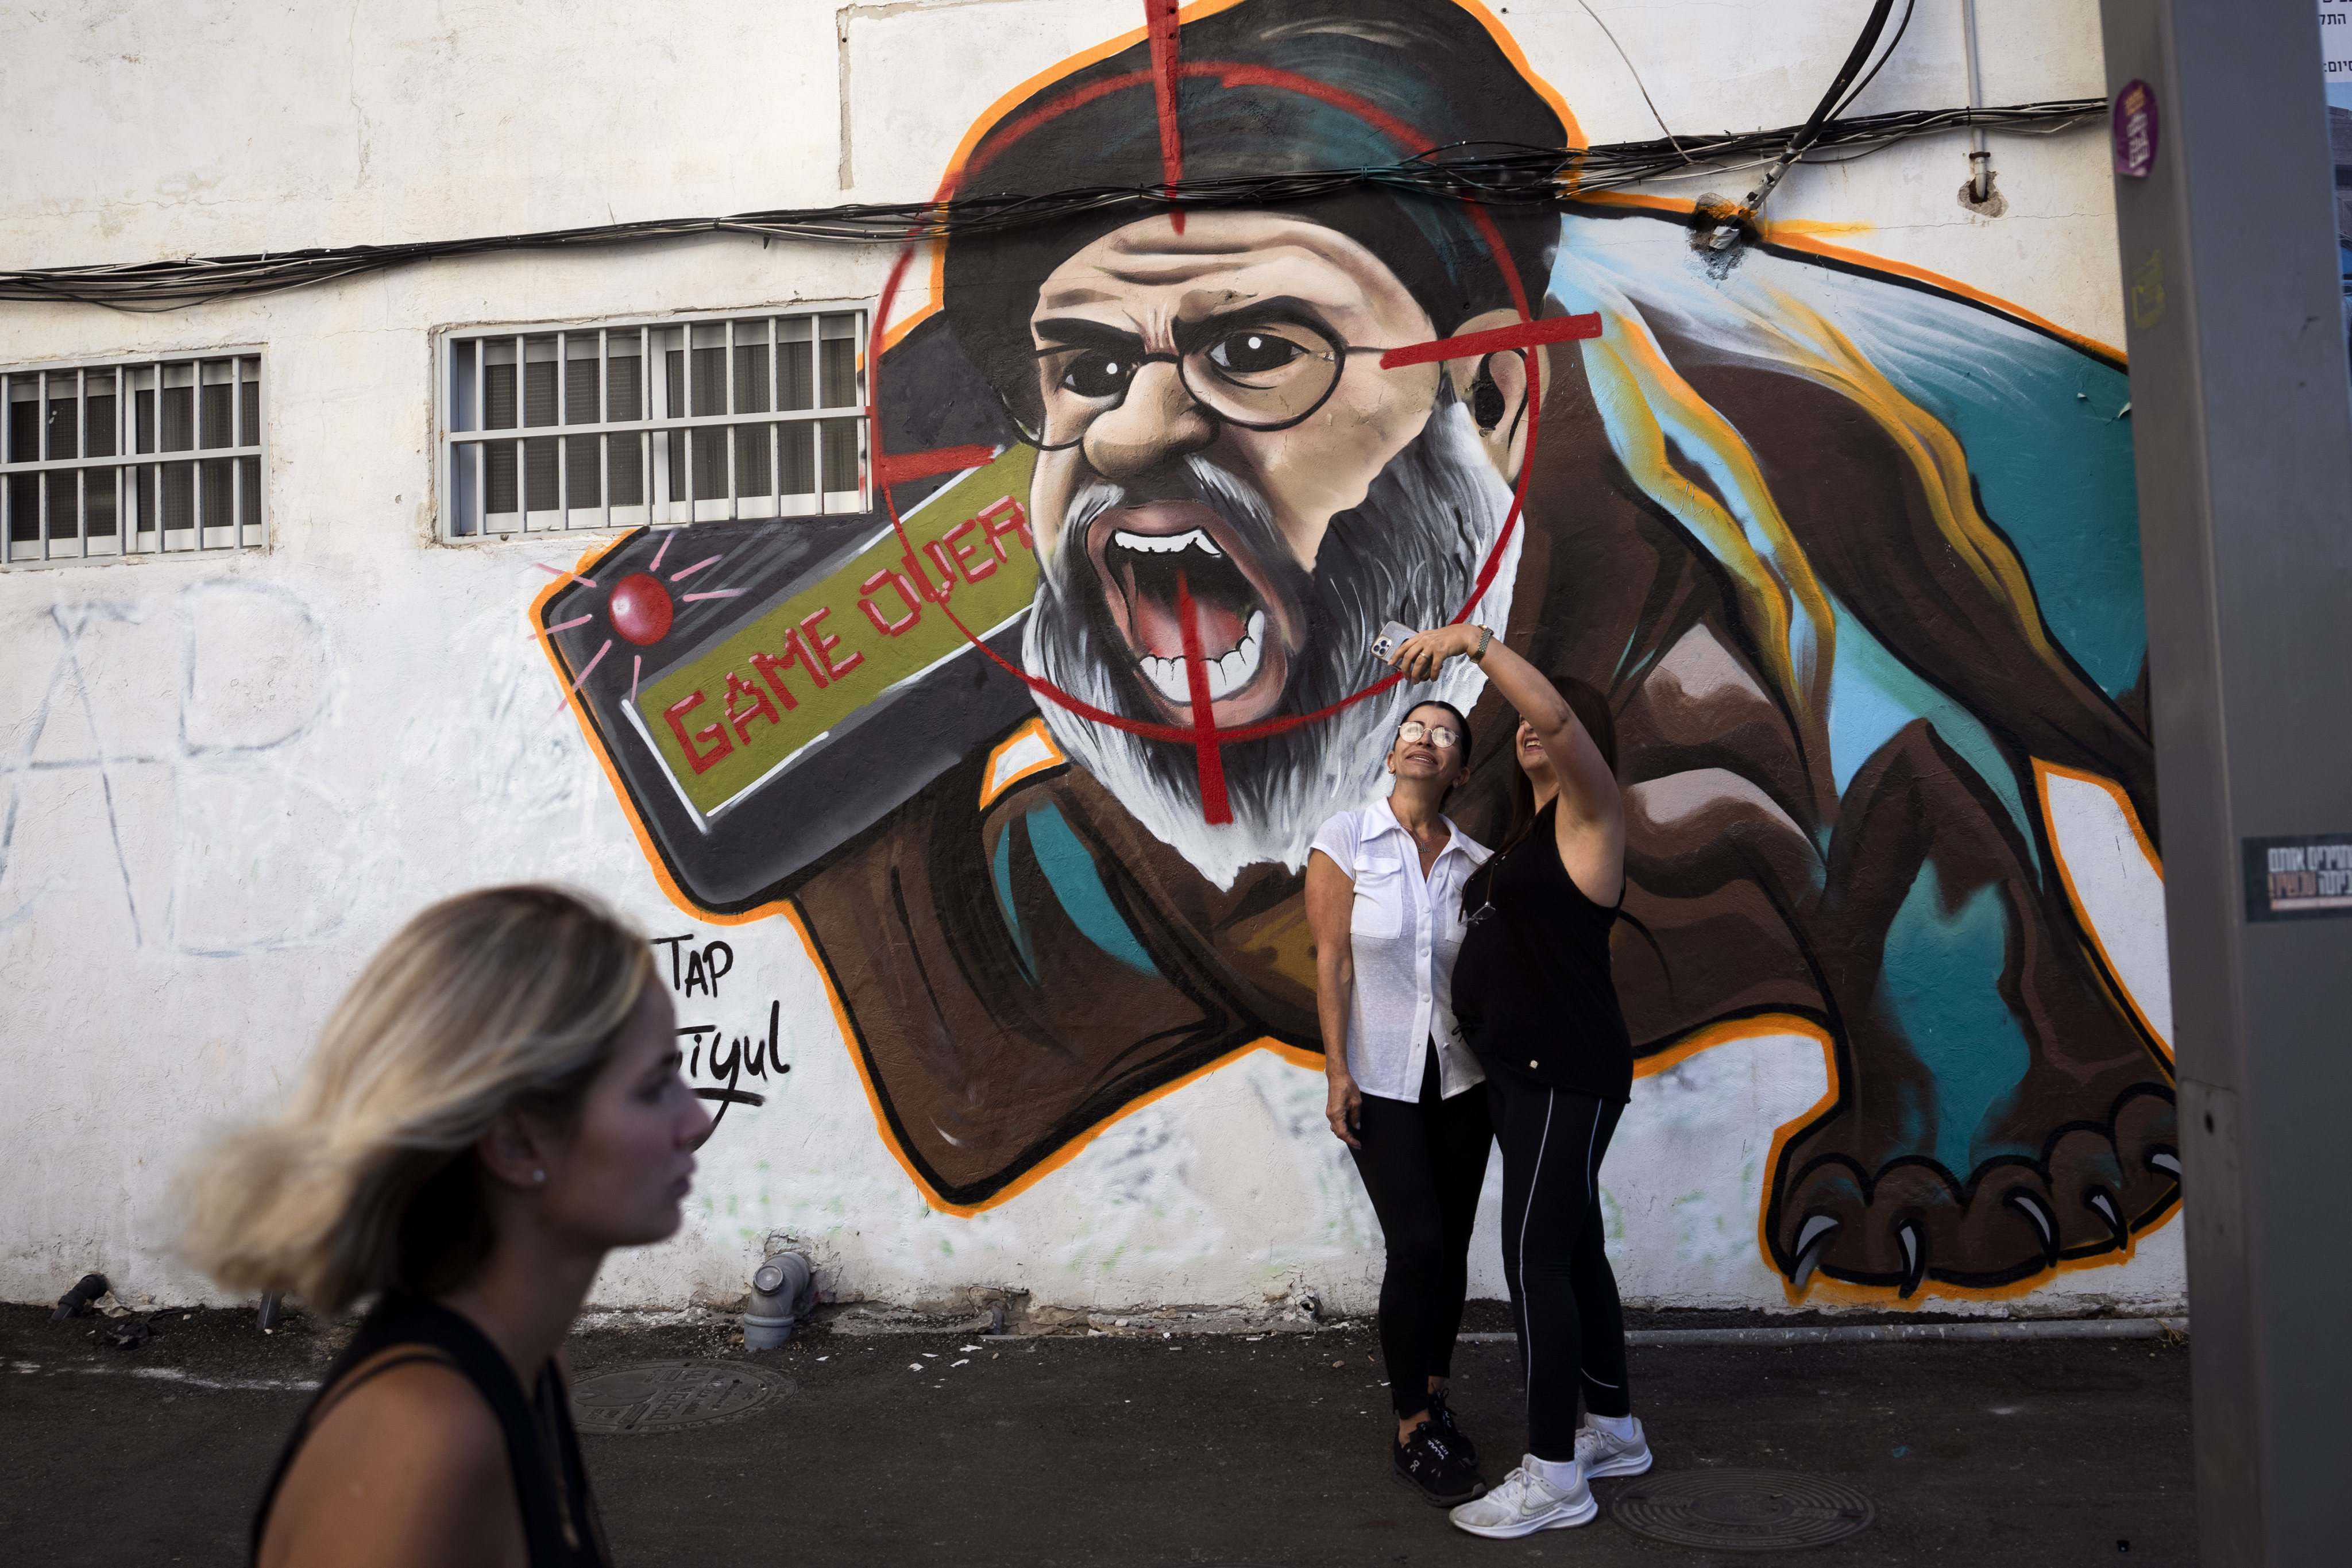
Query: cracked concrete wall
(228, 779)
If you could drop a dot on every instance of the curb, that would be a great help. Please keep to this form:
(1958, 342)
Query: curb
(1883, 1333)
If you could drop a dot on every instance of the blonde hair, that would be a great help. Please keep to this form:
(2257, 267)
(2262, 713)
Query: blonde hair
(506, 998)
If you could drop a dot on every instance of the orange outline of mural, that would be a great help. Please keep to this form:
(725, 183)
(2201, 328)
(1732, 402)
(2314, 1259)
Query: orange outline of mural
(1821, 1289)
(1797, 234)
(992, 785)
(2041, 774)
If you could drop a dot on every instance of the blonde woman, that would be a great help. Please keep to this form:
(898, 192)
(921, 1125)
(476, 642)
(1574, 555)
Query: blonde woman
(494, 1107)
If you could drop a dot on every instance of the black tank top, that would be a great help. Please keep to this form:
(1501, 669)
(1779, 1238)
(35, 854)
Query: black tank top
(1531, 988)
(560, 1525)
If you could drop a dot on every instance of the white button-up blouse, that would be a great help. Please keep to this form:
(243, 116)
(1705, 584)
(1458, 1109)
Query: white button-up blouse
(1404, 931)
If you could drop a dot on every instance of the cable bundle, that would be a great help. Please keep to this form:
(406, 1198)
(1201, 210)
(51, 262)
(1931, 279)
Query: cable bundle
(1493, 174)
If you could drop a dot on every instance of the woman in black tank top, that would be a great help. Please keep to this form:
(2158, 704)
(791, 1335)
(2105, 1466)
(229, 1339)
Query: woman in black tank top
(495, 1106)
(1534, 998)
(541, 1451)
(1534, 969)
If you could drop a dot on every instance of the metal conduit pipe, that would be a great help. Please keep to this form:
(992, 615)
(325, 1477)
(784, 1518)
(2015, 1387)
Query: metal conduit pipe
(783, 1292)
(1980, 155)
(76, 1301)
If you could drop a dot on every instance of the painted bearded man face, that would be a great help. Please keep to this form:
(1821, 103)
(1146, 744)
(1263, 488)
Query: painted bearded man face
(1214, 427)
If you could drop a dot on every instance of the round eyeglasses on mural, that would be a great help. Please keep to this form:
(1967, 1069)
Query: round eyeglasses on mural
(1249, 371)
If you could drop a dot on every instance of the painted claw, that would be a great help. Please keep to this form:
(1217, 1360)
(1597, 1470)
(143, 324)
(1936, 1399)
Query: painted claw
(2032, 1208)
(2100, 1202)
(1915, 1256)
(1812, 1242)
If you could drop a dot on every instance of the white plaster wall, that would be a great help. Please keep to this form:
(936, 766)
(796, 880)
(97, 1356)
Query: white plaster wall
(227, 781)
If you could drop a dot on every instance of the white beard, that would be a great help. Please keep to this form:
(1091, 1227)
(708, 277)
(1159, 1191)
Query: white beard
(1411, 552)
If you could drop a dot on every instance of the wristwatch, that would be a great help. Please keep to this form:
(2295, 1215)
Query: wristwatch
(1485, 635)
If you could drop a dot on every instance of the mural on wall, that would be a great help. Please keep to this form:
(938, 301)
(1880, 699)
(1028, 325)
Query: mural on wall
(1031, 755)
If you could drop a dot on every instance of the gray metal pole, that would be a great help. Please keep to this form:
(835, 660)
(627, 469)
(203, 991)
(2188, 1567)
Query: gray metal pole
(2243, 430)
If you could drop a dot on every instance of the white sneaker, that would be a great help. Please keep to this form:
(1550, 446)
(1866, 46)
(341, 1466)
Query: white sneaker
(1526, 1503)
(1598, 1453)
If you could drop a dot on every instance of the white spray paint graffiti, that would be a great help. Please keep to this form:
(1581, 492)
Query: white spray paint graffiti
(164, 748)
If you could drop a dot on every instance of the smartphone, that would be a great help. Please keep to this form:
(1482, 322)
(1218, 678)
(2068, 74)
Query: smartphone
(1393, 635)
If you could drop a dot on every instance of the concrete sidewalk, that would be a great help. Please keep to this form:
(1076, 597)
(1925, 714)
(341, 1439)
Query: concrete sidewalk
(1126, 1450)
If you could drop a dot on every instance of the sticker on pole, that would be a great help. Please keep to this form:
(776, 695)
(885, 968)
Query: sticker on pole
(2136, 130)
(2303, 876)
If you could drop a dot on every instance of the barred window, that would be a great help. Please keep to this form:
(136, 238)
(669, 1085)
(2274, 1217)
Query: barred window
(66, 491)
(675, 420)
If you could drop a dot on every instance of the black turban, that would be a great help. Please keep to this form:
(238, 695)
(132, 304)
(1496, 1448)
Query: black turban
(1298, 85)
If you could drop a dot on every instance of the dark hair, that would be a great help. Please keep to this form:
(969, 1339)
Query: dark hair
(1310, 85)
(1461, 726)
(1591, 710)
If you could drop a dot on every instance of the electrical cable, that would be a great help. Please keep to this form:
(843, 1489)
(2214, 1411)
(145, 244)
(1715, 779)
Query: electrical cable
(1854, 61)
(1638, 85)
(1893, 43)
(1730, 226)
(1494, 175)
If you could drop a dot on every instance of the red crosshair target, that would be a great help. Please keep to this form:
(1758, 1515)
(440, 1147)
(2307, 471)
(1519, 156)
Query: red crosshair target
(1202, 734)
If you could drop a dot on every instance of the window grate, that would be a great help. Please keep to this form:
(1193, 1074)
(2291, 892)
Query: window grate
(67, 492)
(667, 421)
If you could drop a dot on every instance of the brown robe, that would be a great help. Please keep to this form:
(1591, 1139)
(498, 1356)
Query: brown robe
(1017, 973)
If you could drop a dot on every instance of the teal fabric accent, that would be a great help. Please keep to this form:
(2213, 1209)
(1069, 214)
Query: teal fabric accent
(1941, 985)
(2042, 422)
(1626, 652)
(1622, 411)
(1873, 695)
(1004, 867)
(2050, 452)
(1070, 871)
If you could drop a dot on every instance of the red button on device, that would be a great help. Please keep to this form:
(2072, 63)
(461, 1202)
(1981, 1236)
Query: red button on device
(641, 608)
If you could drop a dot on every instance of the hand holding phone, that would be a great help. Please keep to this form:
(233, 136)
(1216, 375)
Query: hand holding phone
(1393, 635)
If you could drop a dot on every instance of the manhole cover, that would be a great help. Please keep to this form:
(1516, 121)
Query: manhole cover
(662, 1396)
(1742, 1510)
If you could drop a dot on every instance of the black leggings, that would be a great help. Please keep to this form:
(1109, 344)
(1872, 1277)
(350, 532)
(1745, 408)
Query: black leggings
(1424, 1162)
(1563, 1297)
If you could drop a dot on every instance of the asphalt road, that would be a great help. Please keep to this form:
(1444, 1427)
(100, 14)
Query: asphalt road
(1133, 1450)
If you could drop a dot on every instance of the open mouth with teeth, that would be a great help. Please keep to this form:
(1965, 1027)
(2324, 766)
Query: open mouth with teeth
(1140, 553)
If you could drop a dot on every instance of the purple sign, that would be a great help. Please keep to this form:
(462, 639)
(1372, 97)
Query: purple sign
(2135, 125)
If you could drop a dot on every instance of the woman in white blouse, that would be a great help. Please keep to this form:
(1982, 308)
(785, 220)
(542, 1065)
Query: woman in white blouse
(1384, 904)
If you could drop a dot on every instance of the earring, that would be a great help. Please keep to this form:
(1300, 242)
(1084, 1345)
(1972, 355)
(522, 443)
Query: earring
(539, 1175)
(1486, 401)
